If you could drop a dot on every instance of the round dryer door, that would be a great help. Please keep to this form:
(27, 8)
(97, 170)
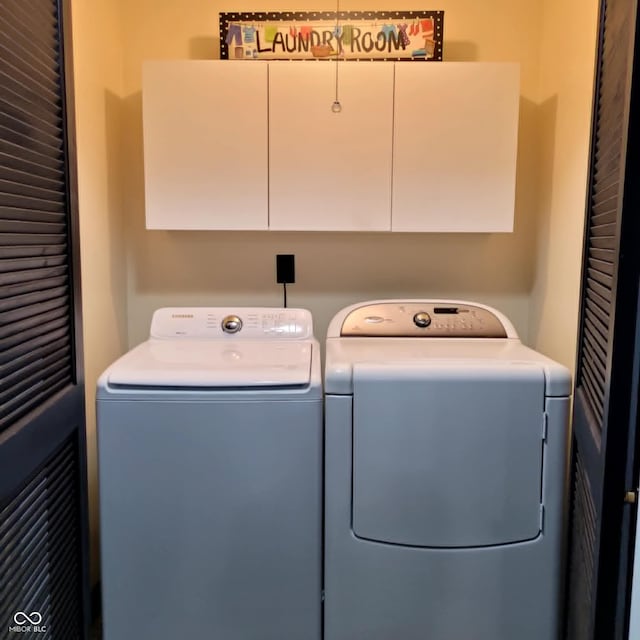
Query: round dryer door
(447, 454)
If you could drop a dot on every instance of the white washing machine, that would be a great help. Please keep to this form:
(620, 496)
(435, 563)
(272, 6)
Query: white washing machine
(210, 469)
(445, 476)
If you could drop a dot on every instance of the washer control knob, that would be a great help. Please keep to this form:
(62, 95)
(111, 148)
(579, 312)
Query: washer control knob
(422, 319)
(231, 324)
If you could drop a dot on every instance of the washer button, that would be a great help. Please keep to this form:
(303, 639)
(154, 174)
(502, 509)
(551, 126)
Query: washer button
(231, 324)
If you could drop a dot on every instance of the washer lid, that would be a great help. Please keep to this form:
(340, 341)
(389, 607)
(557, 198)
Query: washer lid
(238, 364)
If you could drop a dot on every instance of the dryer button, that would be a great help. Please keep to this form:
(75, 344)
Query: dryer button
(422, 319)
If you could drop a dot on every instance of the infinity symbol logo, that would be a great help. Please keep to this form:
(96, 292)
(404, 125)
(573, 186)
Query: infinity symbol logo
(22, 618)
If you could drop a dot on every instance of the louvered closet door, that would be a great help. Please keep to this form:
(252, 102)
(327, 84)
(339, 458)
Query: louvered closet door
(605, 419)
(43, 532)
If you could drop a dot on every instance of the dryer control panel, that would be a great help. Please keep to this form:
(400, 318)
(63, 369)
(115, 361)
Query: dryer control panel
(227, 323)
(422, 319)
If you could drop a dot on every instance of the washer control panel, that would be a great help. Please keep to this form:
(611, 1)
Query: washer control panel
(242, 323)
(422, 319)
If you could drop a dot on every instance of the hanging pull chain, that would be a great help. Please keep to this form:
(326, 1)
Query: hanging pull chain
(336, 107)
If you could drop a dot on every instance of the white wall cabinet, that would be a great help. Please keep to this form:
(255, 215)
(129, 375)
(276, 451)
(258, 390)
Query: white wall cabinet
(455, 142)
(330, 170)
(255, 145)
(205, 145)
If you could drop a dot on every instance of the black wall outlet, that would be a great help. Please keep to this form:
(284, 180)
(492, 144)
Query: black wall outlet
(285, 268)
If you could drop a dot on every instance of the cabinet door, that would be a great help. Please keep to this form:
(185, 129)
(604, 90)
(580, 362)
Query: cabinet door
(455, 142)
(330, 171)
(205, 144)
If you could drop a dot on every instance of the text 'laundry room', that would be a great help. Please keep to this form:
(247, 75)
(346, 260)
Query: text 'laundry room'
(319, 322)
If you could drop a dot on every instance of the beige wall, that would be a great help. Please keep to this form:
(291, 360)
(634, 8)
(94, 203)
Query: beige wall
(97, 45)
(567, 41)
(333, 269)
(531, 275)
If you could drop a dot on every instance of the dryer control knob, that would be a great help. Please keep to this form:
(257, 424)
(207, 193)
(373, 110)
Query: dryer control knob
(422, 319)
(231, 324)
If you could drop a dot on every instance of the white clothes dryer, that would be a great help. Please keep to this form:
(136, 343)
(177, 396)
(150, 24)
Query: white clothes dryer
(210, 469)
(445, 476)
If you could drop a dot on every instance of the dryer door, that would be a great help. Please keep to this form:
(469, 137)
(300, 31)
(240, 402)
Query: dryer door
(447, 454)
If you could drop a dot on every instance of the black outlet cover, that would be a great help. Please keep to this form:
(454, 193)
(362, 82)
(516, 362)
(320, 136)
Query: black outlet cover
(285, 268)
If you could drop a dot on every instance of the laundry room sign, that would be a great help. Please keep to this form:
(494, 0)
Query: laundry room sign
(347, 35)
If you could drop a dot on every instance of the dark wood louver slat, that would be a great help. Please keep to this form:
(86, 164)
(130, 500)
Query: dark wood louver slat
(34, 251)
(604, 210)
(21, 380)
(25, 364)
(29, 215)
(30, 243)
(15, 156)
(26, 202)
(30, 227)
(24, 45)
(27, 165)
(605, 255)
(47, 125)
(35, 291)
(608, 180)
(36, 393)
(603, 229)
(35, 21)
(18, 98)
(31, 140)
(601, 290)
(600, 265)
(18, 340)
(36, 262)
(606, 194)
(33, 88)
(29, 360)
(36, 130)
(26, 178)
(603, 242)
(25, 67)
(595, 377)
(25, 384)
(37, 341)
(601, 278)
(607, 158)
(55, 309)
(597, 342)
(19, 304)
(596, 325)
(594, 309)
